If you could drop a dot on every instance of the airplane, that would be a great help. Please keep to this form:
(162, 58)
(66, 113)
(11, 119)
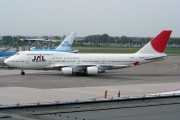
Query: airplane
(71, 63)
(2, 60)
(65, 46)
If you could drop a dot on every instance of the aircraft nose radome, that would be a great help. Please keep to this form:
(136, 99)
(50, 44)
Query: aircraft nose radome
(6, 61)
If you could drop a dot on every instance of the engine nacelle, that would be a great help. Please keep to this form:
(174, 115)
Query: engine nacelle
(92, 70)
(67, 71)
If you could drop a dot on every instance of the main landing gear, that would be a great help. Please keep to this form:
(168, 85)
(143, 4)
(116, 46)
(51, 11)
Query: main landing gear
(22, 72)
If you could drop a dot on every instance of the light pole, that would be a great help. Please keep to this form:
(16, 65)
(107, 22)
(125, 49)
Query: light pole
(17, 43)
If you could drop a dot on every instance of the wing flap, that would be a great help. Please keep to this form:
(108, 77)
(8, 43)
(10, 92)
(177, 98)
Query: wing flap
(78, 66)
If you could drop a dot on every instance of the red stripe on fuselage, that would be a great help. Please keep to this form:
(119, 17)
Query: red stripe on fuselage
(40, 57)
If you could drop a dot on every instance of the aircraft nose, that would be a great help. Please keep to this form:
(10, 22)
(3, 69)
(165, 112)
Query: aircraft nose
(6, 61)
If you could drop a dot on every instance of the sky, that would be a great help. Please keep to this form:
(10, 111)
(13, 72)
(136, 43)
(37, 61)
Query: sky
(135, 18)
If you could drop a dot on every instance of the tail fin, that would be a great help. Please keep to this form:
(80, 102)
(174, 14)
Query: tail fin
(67, 43)
(157, 45)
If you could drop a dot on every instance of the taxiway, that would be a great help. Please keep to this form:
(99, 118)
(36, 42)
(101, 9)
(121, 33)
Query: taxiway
(46, 86)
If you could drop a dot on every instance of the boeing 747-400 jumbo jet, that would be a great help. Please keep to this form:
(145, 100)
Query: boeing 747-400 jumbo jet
(71, 63)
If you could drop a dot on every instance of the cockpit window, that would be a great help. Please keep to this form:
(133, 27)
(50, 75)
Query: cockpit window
(17, 53)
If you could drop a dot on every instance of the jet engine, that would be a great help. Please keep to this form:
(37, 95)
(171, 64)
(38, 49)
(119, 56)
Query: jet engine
(92, 70)
(67, 71)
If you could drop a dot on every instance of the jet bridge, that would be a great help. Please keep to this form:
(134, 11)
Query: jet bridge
(39, 43)
(7, 47)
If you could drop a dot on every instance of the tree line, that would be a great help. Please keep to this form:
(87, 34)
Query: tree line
(102, 40)
(105, 39)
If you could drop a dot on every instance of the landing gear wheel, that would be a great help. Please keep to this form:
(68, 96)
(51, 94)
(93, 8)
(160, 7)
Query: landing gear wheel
(22, 73)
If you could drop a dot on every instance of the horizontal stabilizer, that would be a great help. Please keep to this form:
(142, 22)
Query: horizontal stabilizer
(74, 51)
(151, 58)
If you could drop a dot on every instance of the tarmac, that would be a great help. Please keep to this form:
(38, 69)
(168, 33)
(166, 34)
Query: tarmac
(49, 86)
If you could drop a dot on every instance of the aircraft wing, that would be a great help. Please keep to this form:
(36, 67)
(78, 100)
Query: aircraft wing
(80, 67)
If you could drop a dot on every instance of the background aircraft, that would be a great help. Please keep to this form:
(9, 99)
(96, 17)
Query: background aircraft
(2, 60)
(70, 63)
(65, 46)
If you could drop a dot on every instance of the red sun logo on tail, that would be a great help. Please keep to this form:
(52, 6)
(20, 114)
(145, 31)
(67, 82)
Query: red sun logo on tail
(160, 41)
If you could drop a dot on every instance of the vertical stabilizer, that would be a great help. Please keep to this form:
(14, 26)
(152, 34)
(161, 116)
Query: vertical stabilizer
(67, 43)
(157, 45)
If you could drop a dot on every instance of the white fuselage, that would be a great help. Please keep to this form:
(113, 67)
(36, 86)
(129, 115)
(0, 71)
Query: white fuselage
(53, 60)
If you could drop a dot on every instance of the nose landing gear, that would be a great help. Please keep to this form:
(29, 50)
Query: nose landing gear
(22, 72)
